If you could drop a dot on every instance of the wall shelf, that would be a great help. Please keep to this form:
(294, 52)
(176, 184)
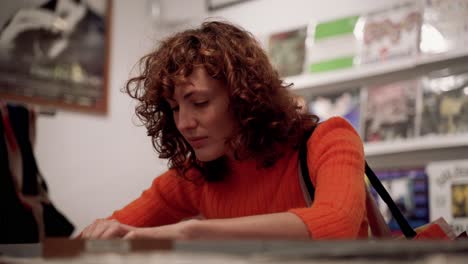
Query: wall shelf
(409, 153)
(378, 73)
(416, 152)
(427, 143)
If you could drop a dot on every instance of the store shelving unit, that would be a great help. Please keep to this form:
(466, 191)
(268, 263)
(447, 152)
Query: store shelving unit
(425, 143)
(405, 153)
(392, 70)
(416, 152)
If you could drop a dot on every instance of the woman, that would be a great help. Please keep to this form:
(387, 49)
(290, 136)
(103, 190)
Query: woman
(216, 108)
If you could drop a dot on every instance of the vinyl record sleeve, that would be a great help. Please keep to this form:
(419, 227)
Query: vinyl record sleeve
(444, 104)
(391, 111)
(448, 192)
(286, 51)
(389, 33)
(445, 26)
(345, 104)
(409, 189)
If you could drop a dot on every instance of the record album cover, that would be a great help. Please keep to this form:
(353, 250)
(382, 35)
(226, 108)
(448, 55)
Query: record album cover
(448, 192)
(391, 111)
(445, 104)
(345, 104)
(409, 190)
(286, 51)
(331, 45)
(389, 33)
(445, 26)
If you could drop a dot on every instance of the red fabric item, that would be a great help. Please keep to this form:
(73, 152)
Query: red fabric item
(9, 134)
(336, 166)
(433, 231)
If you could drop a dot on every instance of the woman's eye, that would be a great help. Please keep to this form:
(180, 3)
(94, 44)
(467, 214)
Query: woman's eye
(203, 103)
(175, 109)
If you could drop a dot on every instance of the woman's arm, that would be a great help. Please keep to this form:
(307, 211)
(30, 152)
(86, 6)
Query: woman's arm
(168, 200)
(268, 226)
(335, 158)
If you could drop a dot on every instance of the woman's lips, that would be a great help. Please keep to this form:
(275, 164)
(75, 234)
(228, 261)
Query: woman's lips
(197, 142)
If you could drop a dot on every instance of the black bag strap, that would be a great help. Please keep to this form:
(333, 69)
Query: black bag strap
(304, 167)
(406, 229)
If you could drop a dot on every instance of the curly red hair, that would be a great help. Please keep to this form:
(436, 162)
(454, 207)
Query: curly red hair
(265, 109)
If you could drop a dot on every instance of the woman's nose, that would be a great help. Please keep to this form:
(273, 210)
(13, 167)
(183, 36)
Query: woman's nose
(186, 120)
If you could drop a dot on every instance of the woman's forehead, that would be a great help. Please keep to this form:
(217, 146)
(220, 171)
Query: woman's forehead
(199, 81)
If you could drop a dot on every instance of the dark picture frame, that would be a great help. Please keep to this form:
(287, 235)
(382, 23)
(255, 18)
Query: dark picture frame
(57, 55)
(214, 5)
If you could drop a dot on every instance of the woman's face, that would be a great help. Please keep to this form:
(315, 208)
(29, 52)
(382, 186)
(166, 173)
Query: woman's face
(201, 114)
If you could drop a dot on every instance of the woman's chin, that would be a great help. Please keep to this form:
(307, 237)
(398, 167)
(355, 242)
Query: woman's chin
(206, 156)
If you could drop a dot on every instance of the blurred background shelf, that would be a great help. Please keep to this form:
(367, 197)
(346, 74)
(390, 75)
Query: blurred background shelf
(377, 73)
(406, 153)
(416, 144)
(416, 152)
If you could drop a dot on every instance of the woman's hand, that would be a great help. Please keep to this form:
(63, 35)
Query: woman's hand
(268, 226)
(106, 229)
(184, 230)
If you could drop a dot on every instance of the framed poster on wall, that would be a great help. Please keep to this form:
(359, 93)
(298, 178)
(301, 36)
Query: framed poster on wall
(55, 53)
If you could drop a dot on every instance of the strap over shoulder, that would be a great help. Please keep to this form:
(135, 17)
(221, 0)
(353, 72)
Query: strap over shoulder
(377, 223)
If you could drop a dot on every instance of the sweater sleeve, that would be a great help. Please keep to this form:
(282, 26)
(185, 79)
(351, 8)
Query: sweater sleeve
(169, 200)
(335, 158)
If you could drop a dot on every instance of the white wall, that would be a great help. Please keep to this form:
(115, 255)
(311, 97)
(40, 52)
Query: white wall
(96, 164)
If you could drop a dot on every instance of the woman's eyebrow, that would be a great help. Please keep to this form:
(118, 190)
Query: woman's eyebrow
(187, 95)
(194, 92)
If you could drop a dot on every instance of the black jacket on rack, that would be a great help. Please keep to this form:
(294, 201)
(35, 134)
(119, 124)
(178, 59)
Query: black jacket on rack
(18, 223)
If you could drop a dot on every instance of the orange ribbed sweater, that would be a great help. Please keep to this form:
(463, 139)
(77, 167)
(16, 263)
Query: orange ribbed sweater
(336, 167)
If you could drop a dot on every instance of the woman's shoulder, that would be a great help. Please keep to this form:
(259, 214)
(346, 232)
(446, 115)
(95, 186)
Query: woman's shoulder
(335, 130)
(335, 135)
(336, 122)
(335, 125)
